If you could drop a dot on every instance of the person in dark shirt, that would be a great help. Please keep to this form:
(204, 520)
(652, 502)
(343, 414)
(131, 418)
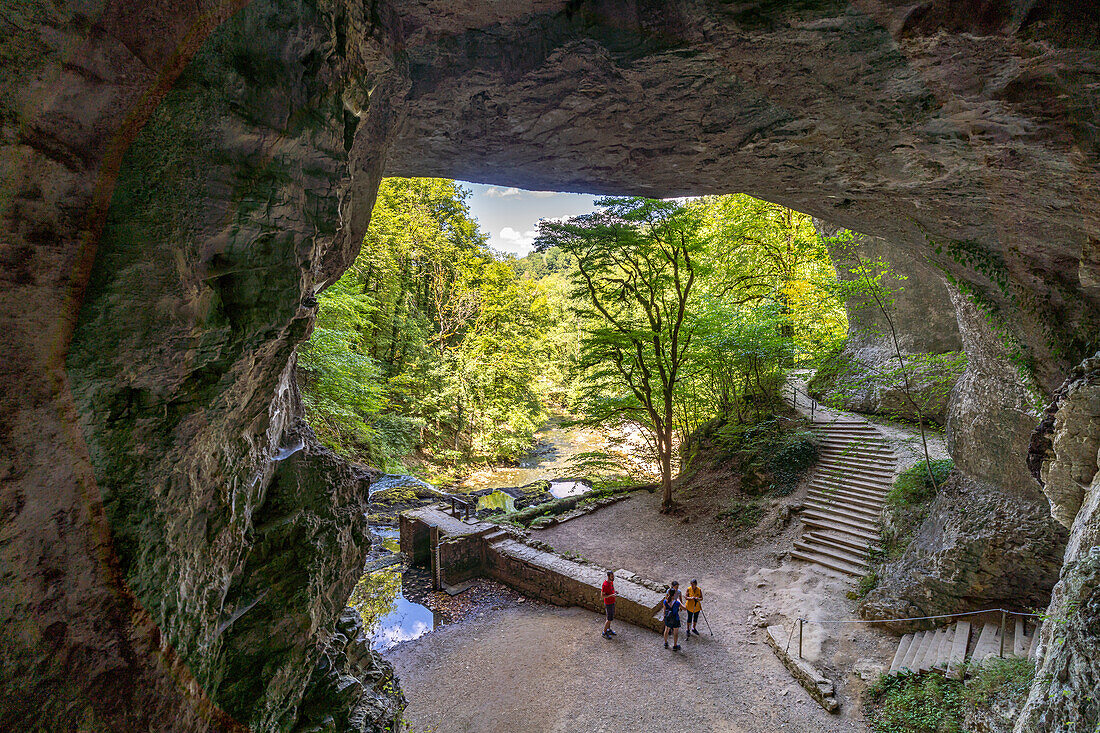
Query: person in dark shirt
(672, 603)
(608, 593)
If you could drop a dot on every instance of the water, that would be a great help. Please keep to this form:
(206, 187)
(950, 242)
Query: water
(496, 500)
(562, 489)
(407, 621)
(395, 480)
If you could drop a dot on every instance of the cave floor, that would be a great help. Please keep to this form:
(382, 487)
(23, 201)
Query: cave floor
(534, 667)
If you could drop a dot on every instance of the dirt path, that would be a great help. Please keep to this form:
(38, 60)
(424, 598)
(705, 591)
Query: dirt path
(532, 667)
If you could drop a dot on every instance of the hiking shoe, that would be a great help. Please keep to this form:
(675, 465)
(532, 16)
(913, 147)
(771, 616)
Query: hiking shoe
(606, 635)
(610, 631)
(666, 645)
(676, 648)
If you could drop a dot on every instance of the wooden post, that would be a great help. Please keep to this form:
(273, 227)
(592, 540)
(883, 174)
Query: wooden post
(433, 541)
(1002, 633)
(800, 638)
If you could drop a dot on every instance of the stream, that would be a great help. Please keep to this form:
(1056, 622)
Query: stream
(398, 607)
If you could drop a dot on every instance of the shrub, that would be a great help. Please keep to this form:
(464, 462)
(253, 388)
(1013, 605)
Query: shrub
(913, 487)
(1009, 678)
(915, 704)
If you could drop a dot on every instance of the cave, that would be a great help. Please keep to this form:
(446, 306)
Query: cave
(180, 181)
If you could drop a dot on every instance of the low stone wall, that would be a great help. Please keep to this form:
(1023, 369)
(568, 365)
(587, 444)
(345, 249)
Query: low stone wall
(818, 685)
(470, 550)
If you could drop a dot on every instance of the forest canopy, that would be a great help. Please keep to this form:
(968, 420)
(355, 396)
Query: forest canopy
(434, 352)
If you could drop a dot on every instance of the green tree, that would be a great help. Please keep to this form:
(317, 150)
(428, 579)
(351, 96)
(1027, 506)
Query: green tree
(637, 263)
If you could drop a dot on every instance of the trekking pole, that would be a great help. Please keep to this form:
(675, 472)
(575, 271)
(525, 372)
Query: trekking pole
(708, 622)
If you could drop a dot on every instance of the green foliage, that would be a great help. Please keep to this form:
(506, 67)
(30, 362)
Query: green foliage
(375, 595)
(867, 583)
(429, 340)
(913, 485)
(776, 447)
(915, 704)
(743, 514)
(1000, 679)
(909, 501)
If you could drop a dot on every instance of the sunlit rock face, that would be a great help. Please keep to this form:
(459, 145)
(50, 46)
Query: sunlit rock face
(179, 179)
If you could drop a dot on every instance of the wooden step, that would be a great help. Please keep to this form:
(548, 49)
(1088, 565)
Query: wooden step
(922, 651)
(914, 648)
(929, 658)
(989, 644)
(828, 562)
(1020, 641)
(956, 662)
(899, 655)
(943, 653)
(856, 447)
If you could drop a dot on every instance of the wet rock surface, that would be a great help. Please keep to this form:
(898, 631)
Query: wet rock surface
(180, 179)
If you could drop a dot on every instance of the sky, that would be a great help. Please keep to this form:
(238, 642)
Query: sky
(511, 215)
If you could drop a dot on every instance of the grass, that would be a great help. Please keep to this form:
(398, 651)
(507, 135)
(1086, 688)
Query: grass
(915, 704)
(932, 704)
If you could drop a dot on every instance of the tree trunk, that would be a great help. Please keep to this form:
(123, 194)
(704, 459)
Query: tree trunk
(664, 450)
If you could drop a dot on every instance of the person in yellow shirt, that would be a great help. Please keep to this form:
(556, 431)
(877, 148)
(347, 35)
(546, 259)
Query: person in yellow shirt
(694, 605)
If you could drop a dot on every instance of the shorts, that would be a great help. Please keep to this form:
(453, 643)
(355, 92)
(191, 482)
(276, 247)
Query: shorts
(609, 609)
(693, 618)
(672, 620)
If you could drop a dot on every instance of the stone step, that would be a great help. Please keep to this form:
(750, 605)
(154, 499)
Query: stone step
(832, 488)
(841, 540)
(843, 497)
(843, 516)
(956, 662)
(846, 465)
(842, 527)
(857, 446)
(855, 460)
(860, 428)
(855, 441)
(840, 553)
(899, 655)
(825, 505)
(853, 482)
(829, 562)
(989, 644)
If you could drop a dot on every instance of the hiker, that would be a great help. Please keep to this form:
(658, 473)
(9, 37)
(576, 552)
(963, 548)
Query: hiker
(608, 593)
(672, 603)
(694, 605)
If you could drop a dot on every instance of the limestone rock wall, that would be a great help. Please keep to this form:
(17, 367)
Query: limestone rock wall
(1065, 455)
(866, 377)
(179, 180)
(178, 186)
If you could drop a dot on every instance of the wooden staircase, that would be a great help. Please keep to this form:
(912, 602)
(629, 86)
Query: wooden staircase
(951, 650)
(855, 470)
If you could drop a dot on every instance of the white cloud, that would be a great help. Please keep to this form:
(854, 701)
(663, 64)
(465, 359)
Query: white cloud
(499, 193)
(516, 241)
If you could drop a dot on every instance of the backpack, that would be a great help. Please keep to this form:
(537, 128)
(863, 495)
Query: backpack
(672, 610)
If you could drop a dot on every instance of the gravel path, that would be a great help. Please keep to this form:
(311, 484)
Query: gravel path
(533, 667)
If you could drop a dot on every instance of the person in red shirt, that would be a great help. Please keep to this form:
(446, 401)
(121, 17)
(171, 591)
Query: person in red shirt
(608, 593)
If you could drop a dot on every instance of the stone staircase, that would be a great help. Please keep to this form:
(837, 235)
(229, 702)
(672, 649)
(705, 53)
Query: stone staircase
(854, 472)
(951, 650)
